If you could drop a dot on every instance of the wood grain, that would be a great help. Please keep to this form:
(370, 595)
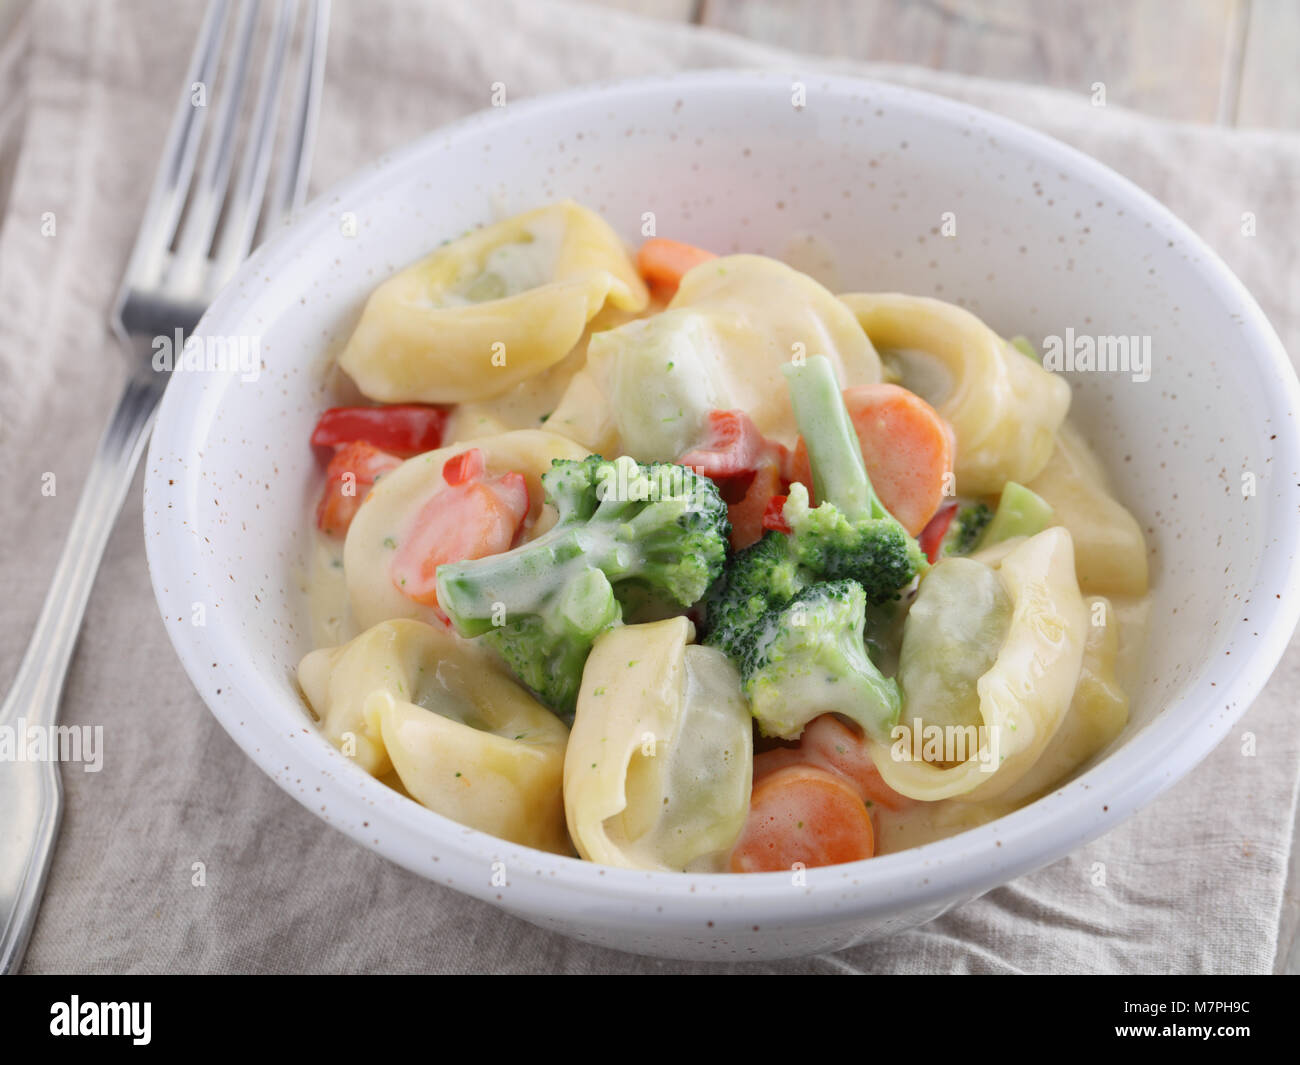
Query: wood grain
(1270, 66)
(1165, 57)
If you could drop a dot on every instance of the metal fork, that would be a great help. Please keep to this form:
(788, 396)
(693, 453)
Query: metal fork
(176, 268)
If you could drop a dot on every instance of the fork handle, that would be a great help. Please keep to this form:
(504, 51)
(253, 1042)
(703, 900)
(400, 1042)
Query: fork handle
(28, 835)
(38, 683)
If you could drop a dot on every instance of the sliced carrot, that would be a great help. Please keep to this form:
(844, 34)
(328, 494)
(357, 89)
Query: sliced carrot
(800, 814)
(907, 448)
(471, 519)
(769, 762)
(830, 744)
(749, 514)
(663, 263)
(349, 477)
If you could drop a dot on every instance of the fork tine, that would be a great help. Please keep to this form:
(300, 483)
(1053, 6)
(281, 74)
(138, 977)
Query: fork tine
(246, 200)
(291, 188)
(180, 151)
(209, 192)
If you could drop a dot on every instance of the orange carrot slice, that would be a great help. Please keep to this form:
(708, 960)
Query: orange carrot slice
(472, 519)
(664, 262)
(830, 744)
(800, 814)
(907, 448)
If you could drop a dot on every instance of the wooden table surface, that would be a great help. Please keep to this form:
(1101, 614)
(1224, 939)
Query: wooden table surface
(1231, 62)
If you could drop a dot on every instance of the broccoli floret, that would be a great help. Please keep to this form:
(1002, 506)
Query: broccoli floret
(838, 557)
(659, 529)
(758, 577)
(808, 658)
(876, 552)
(850, 535)
(967, 528)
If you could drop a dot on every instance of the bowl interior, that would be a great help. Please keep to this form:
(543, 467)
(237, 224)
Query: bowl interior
(855, 187)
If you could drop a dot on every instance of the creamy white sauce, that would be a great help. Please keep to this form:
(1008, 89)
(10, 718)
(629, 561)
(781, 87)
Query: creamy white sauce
(519, 266)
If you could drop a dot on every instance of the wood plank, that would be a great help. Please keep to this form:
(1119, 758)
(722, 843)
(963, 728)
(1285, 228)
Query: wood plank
(1270, 67)
(1165, 57)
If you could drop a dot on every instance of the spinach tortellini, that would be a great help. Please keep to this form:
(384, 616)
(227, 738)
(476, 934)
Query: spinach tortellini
(659, 764)
(1003, 406)
(491, 309)
(720, 345)
(463, 738)
(1024, 695)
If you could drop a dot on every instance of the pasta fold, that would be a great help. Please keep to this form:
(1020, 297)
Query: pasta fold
(1024, 696)
(463, 738)
(491, 309)
(658, 770)
(719, 345)
(1110, 552)
(1003, 406)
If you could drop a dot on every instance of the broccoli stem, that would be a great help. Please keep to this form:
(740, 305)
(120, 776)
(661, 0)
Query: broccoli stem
(839, 474)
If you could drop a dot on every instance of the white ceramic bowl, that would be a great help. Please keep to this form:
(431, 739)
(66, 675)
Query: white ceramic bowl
(1047, 239)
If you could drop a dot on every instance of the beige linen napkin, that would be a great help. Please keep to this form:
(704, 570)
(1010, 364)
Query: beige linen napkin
(1193, 883)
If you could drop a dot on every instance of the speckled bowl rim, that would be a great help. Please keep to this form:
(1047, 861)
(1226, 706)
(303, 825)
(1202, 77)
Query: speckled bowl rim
(541, 884)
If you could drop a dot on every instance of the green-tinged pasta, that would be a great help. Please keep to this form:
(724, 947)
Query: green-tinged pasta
(491, 309)
(1003, 406)
(1023, 697)
(463, 738)
(951, 638)
(658, 769)
(721, 343)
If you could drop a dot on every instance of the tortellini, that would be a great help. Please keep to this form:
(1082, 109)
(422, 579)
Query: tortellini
(1098, 712)
(720, 344)
(1003, 406)
(463, 738)
(1110, 552)
(659, 765)
(951, 638)
(1024, 696)
(395, 501)
(491, 309)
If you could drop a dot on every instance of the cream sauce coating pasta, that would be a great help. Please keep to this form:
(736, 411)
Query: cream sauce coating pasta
(721, 343)
(1024, 696)
(464, 739)
(1003, 406)
(541, 332)
(491, 309)
(658, 769)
